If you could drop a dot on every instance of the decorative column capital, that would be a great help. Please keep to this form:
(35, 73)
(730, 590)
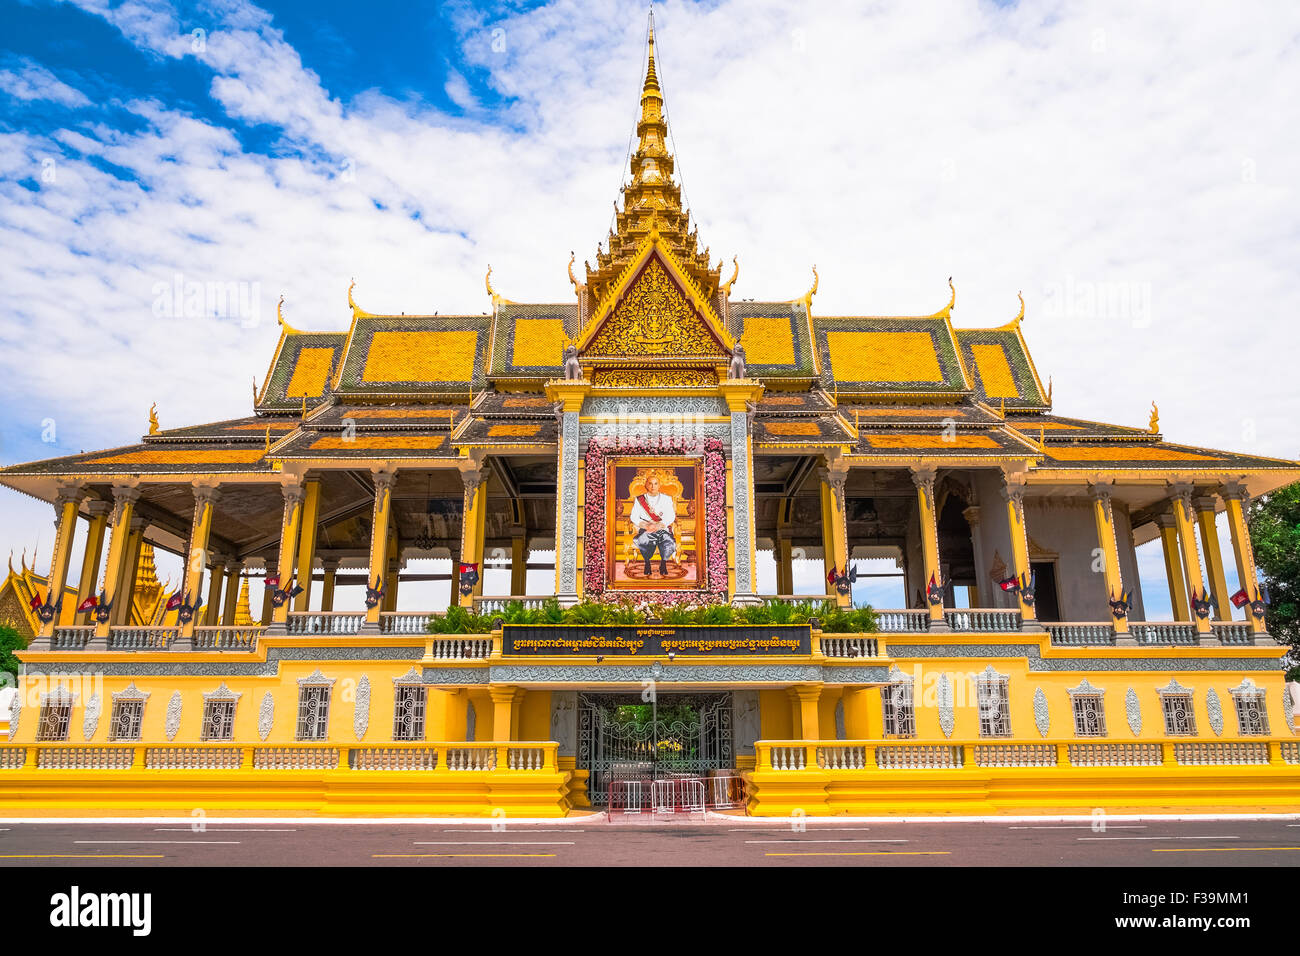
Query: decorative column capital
(384, 479)
(972, 515)
(502, 693)
(329, 564)
(1013, 490)
(1101, 489)
(1181, 493)
(205, 493)
(69, 492)
(472, 476)
(291, 489)
(1164, 520)
(1203, 503)
(98, 507)
(923, 476)
(806, 693)
(1234, 491)
(123, 496)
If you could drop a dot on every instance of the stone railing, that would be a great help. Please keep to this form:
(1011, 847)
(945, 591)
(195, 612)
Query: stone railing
(404, 622)
(1164, 632)
(983, 620)
(1233, 632)
(458, 648)
(142, 638)
(71, 638)
(442, 757)
(874, 755)
(902, 622)
(227, 637)
(1080, 635)
(325, 622)
(835, 645)
(493, 605)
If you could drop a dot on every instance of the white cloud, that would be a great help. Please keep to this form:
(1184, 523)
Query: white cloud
(1132, 154)
(31, 81)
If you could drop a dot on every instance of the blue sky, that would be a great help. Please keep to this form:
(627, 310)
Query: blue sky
(1129, 167)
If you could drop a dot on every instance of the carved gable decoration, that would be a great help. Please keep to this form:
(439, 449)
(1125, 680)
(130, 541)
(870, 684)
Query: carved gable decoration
(655, 318)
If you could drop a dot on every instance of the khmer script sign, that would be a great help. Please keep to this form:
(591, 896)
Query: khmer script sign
(656, 639)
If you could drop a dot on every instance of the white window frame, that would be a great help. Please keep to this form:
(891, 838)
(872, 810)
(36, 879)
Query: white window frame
(1249, 699)
(1081, 698)
(898, 706)
(135, 699)
(219, 714)
(315, 686)
(993, 701)
(56, 709)
(414, 728)
(1171, 695)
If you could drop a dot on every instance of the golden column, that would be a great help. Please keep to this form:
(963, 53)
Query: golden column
(503, 706)
(978, 591)
(331, 568)
(1013, 490)
(290, 526)
(216, 578)
(205, 499)
(835, 534)
(518, 548)
(93, 554)
(379, 522)
(124, 499)
(1173, 567)
(474, 524)
(784, 547)
(307, 542)
(66, 506)
(1104, 514)
(923, 478)
(130, 571)
(1204, 506)
(1236, 498)
(231, 602)
(809, 696)
(1183, 521)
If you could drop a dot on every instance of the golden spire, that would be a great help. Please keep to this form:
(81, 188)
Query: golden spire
(652, 195)
(243, 616)
(1154, 424)
(153, 419)
(1049, 390)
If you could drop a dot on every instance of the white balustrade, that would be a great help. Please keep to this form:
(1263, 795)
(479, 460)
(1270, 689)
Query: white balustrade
(918, 757)
(227, 638)
(461, 648)
(835, 646)
(472, 758)
(296, 758)
(1163, 632)
(393, 758)
(983, 620)
(325, 622)
(1080, 635)
(142, 638)
(1115, 755)
(525, 758)
(789, 758)
(1233, 632)
(193, 758)
(85, 758)
(1220, 753)
(12, 758)
(842, 757)
(404, 622)
(1015, 755)
(71, 638)
(902, 622)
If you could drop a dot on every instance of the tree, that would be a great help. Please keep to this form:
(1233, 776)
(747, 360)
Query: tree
(10, 640)
(1275, 536)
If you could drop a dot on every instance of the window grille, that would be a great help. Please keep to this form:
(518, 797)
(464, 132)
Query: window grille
(313, 711)
(1180, 721)
(54, 720)
(994, 701)
(1089, 715)
(899, 712)
(408, 712)
(1252, 718)
(128, 715)
(218, 720)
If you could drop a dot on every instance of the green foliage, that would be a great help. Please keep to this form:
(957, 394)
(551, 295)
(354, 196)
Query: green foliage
(1275, 537)
(459, 620)
(715, 614)
(588, 612)
(10, 641)
(676, 615)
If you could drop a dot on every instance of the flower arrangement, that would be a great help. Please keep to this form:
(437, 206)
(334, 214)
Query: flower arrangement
(714, 568)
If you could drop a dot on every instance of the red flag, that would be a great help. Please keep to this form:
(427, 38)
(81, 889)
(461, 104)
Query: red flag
(174, 601)
(830, 576)
(273, 580)
(88, 604)
(467, 568)
(1009, 584)
(1240, 599)
(35, 601)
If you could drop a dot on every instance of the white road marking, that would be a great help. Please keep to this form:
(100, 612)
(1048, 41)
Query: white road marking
(219, 830)
(169, 842)
(494, 843)
(1162, 838)
(515, 829)
(828, 841)
(811, 829)
(1109, 826)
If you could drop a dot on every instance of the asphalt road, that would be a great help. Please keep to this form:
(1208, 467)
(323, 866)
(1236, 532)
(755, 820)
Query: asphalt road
(594, 841)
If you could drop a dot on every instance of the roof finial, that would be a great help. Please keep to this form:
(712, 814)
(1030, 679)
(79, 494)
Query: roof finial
(268, 438)
(153, 419)
(572, 278)
(1049, 390)
(1021, 296)
(279, 316)
(726, 286)
(351, 303)
(487, 281)
(651, 79)
(813, 290)
(953, 300)
(1154, 423)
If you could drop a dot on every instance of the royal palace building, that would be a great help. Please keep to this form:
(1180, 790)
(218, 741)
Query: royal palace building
(657, 435)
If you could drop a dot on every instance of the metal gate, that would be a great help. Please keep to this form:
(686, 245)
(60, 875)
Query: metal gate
(622, 738)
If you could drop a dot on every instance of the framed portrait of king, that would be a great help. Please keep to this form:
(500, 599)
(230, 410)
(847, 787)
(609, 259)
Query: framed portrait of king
(654, 523)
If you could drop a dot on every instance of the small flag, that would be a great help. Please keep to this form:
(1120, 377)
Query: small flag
(1240, 599)
(468, 568)
(88, 604)
(273, 581)
(35, 601)
(1009, 584)
(831, 576)
(174, 601)
(295, 591)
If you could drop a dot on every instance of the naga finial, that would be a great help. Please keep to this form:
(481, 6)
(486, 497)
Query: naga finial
(1049, 390)
(487, 281)
(952, 300)
(726, 287)
(268, 438)
(1154, 423)
(279, 310)
(351, 302)
(1022, 306)
(572, 278)
(813, 290)
(153, 419)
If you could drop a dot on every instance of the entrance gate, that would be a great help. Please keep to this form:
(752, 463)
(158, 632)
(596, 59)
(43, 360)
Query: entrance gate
(622, 738)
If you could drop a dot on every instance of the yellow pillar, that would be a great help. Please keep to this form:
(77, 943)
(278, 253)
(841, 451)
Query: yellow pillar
(976, 592)
(1214, 571)
(796, 712)
(503, 706)
(784, 552)
(307, 542)
(205, 498)
(1183, 514)
(1013, 490)
(93, 554)
(1173, 567)
(124, 499)
(516, 714)
(835, 536)
(1235, 497)
(232, 595)
(66, 506)
(923, 478)
(265, 619)
(327, 585)
(290, 525)
(809, 695)
(379, 523)
(473, 526)
(1104, 515)
(212, 606)
(519, 564)
(129, 572)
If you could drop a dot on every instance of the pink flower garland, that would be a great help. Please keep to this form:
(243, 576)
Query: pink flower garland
(715, 513)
